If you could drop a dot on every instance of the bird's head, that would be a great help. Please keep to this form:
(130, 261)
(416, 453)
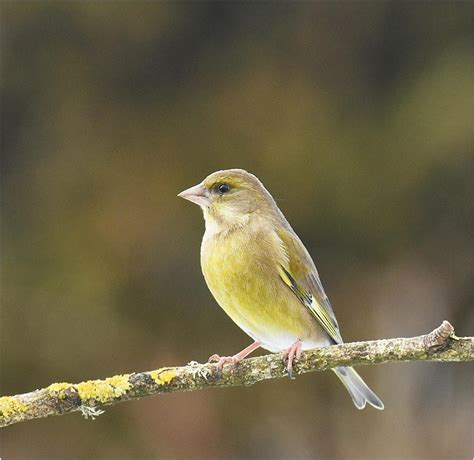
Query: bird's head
(230, 197)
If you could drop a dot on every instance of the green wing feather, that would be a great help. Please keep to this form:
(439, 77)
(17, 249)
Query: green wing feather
(300, 275)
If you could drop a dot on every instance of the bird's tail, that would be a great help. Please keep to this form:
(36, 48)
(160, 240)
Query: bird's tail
(357, 388)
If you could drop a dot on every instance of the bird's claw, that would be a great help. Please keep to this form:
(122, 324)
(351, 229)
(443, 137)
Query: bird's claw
(290, 373)
(288, 365)
(221, 360)
(290, 356)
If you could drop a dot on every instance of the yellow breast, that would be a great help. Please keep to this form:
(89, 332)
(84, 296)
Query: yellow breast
(240, 271)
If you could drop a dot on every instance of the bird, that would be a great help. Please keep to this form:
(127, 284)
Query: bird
(263, 277)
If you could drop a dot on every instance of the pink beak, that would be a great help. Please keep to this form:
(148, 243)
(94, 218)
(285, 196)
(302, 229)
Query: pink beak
(197, 194)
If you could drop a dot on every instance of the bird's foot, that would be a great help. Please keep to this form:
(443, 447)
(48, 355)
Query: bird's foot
(221, 360)
(292, 354)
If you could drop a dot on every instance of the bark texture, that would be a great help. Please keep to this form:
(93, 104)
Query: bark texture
(91, 396)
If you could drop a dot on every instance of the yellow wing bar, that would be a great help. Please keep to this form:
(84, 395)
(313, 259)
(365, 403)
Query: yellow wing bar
(309, 301)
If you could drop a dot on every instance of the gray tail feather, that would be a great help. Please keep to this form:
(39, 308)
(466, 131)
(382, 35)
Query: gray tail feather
(357, 388)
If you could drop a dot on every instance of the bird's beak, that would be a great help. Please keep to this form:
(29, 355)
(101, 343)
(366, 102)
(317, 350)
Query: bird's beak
(197, 194)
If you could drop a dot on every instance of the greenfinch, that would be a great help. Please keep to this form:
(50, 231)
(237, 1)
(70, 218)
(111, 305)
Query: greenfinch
(260, 273)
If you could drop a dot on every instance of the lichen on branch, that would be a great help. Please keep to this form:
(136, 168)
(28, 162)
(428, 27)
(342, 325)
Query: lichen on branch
(90, 397)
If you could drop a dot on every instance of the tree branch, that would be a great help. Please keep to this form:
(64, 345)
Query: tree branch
(91, 396)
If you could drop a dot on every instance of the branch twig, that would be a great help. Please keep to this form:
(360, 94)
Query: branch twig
(91, 396)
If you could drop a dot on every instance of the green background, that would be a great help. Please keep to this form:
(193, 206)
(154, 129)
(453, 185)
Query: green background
(356, 116)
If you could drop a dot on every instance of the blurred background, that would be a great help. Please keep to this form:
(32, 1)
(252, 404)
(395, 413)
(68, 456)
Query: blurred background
(358, 117)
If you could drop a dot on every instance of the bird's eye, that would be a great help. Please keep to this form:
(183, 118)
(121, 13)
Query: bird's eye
(223, 188)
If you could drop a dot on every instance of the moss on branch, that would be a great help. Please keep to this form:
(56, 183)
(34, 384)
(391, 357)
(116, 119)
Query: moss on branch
(90, 397)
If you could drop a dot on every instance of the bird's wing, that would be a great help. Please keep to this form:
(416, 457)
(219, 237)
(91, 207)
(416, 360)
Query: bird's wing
(299, 273)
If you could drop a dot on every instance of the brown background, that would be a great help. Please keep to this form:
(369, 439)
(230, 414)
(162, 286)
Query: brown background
(357, 117)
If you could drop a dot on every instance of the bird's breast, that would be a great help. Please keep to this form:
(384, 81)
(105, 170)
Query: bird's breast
(238, 268)
(240, 271)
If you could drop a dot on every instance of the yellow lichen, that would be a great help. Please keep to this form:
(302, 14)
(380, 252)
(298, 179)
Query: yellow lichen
(10, 406)
(120, 383)
(162, 376)
(104, 390)
(58, 390)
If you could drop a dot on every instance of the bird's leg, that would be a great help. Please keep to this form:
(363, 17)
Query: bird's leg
(221, 360)
(294, 352)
